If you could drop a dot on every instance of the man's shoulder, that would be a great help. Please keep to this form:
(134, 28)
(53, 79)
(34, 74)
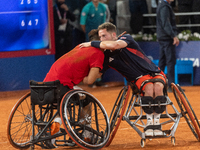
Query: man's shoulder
(126, 37)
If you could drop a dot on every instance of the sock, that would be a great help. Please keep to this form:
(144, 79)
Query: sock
(58, 119)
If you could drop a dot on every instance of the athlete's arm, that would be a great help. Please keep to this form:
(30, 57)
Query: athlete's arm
(111, 45)
(92, 76)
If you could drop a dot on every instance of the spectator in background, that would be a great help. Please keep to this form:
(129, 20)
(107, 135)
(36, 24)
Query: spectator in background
(93, 14)
(174, 4)
(185, 6)
(154, 4)
(196, 8)
(76, 6)
(137, 9)
(113, 11)
(107, 10)
(166, 35)
(62, 28)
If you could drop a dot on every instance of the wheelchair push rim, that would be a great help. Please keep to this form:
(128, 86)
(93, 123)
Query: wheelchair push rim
(70, 110)
(186, 110)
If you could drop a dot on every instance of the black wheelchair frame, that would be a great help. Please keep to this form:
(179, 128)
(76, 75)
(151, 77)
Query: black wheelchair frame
(30, 120)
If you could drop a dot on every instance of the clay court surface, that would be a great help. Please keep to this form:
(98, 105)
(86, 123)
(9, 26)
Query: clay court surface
(126, 137)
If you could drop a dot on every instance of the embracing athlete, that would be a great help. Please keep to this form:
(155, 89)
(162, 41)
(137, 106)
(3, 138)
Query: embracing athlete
(124, 55)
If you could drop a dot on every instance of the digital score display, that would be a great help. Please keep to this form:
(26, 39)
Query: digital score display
(24, 25)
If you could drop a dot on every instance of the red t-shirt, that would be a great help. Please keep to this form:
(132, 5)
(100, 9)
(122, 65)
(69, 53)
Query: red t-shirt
(72, 67)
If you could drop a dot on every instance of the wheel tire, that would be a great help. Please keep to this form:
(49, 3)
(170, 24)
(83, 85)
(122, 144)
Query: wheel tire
(19, 128)
(70, 111)
(118, 112)
(186, 110)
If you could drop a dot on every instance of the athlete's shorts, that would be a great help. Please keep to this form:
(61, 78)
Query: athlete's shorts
(140, 81)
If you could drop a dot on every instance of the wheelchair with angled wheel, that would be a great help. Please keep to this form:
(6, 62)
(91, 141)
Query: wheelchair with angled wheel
(129, 107)
(30, 120)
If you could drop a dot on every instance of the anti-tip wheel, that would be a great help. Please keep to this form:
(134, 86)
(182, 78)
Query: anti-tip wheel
(142, 143)
(173, 141)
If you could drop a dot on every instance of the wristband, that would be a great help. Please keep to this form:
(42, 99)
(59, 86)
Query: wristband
(95, 44)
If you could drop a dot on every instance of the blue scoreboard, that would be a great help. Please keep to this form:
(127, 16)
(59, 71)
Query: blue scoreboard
(24, 25)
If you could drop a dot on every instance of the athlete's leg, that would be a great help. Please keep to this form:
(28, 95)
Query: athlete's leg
(158, 89)
(149, 89)
(148, 99)
(159, 98)
(158, 111)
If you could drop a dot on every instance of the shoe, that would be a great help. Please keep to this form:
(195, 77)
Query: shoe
(81, 96)
(92, 85)
(149, 132)
(100, 83)
(48, 144)
(87, 134)
(158, 132)
(55, 128)
(157, 128)
(169, 90)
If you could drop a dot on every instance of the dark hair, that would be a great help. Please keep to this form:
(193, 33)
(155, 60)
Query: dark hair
(93, 35)
(108, 26)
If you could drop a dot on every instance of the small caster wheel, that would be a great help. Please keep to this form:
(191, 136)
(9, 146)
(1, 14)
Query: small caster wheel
(142, 143)
(173, 141)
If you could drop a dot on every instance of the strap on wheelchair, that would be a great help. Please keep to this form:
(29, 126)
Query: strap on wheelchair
(154, 127)
(155, 80)
(159, 100)
(147, 100)
(136, 90)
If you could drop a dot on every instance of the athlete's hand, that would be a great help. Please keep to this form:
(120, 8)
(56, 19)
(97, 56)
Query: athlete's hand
(86, 44)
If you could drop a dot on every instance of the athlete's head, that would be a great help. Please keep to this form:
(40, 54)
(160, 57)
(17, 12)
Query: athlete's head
(93, 35)
(107, 32)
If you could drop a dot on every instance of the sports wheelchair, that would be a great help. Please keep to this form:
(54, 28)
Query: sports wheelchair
(30, 120)
(132, 112)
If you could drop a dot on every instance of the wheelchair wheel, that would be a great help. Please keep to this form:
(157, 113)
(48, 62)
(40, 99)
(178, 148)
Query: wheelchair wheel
(19, 128)
(85, 119)
(186, 110)
(118, 112)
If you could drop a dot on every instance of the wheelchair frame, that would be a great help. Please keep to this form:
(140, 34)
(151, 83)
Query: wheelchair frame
(30, 120)
(133, 120)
